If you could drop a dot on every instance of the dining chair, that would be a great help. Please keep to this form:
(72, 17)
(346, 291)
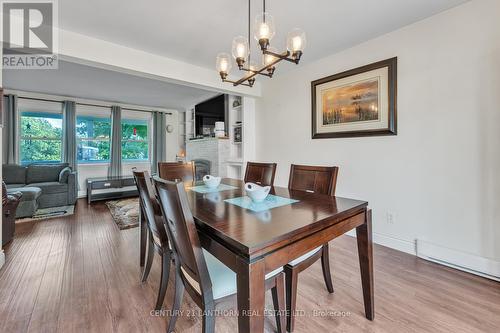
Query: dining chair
(157, 235)
(260, 173)
(207, 280)
(314, 179)
(176, 170)
(202, 167)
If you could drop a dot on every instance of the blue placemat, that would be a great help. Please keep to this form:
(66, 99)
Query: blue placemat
(271, 201)
(206, 189)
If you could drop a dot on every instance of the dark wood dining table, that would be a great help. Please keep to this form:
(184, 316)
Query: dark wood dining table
(253, 244)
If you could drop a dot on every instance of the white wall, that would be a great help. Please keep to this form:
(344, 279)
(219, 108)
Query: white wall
(101, 170)
(440, 174)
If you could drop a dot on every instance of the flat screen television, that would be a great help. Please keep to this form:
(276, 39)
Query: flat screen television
(207, 113)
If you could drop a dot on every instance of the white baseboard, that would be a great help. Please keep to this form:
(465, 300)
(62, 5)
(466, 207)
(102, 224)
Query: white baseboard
(391, 242)
(2, 258)
(463, 261)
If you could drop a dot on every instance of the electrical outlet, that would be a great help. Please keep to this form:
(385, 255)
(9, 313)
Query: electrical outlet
(391, 217)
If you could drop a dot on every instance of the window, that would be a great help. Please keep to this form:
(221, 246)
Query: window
(93, 139)
(41, 137)
(135, 145)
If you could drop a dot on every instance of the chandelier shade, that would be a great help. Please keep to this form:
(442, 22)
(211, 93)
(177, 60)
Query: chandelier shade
(296, 40)
(264, 29)
(240, 48)
(223, 64)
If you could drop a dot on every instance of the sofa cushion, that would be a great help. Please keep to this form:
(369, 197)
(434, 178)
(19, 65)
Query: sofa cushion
(42, 173)
(29, 193)
(64, 174)
(14, 185)
(51, 187)
(14, 174)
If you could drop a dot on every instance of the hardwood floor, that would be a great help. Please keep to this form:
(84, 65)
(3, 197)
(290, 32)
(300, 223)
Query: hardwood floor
(81, 274)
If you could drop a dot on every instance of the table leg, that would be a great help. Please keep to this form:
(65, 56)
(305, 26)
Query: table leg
(365, 252)
(251, 297)
(89, 193)
(142, 236)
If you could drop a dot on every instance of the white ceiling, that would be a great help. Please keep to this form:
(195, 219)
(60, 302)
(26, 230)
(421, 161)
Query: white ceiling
(87, 82)
(194, 31)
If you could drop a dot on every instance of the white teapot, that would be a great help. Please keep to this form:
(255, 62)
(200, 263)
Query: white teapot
(211, 181)
(256, 192)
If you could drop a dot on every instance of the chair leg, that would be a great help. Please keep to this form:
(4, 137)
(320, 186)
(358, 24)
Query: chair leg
(179, 292)
(208, 319)
(291, 279)
(149, 260)
(325, 265)
(278, 293)
(165, 272)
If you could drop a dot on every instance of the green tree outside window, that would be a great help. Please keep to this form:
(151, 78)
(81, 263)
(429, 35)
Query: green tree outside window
(41, 137)
(135, 144)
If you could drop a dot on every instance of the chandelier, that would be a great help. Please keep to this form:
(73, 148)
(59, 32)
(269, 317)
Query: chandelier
(263, 32)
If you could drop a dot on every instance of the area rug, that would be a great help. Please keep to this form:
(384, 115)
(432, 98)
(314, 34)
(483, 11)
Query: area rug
(125, 212)
(49, 213)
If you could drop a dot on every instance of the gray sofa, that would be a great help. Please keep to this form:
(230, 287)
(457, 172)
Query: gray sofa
(42, 186)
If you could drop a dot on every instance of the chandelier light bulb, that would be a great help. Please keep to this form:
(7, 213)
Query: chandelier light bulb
(269, 58)
(240, 50)
(296, 43)
(264, 31)
(253, 66)
(223, 66)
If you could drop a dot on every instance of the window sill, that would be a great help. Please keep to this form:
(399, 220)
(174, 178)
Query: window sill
(135, 162)
(93, 164)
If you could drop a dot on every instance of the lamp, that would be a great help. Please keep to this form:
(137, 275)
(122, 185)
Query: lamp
(223, 65)
(240, 50)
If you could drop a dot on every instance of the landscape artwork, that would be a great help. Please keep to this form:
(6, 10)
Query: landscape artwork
(357, 102)
(351, 103)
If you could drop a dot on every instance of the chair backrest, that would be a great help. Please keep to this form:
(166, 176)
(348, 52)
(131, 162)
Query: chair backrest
(202, 167)
(176, 171)
(150, 207)
(182, 232)
(317, 179)
(260, 173)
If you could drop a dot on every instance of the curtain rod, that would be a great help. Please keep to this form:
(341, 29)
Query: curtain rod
(88, 104)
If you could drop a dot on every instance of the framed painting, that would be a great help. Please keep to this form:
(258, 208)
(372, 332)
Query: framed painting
(358, 102)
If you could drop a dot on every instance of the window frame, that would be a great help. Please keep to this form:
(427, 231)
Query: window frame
(79, 139)
(130, 119)
(46, 114)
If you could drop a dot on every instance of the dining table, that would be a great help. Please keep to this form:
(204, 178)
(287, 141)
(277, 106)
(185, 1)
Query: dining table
(254, 242)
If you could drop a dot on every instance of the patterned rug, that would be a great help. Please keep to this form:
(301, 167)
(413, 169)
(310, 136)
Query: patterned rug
(125, 212)
(49, 213)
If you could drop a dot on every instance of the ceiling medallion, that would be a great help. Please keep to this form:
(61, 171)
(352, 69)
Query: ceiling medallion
(263, 32)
